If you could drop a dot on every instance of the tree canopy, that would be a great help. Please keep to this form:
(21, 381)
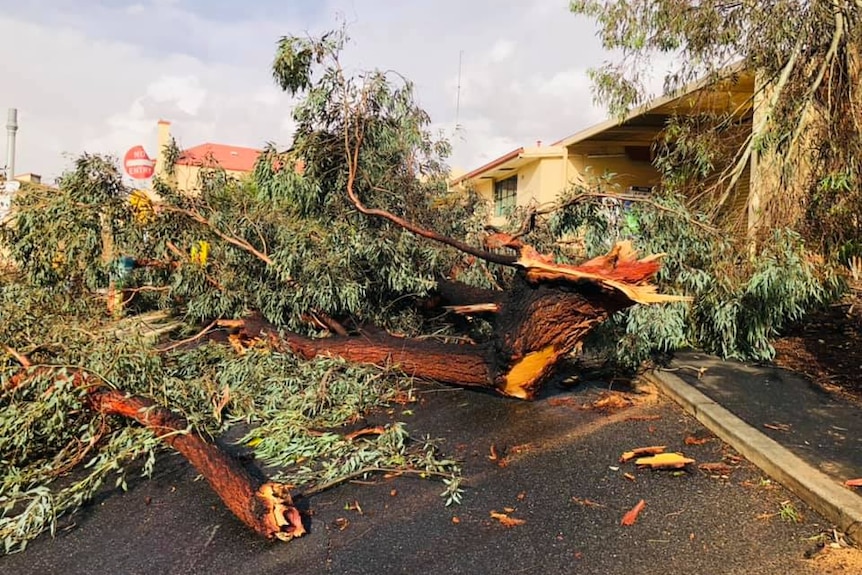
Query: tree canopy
(804, 130)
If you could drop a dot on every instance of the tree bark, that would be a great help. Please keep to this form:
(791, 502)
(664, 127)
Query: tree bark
(536, 326)
(265, 507)
(544, 315)
(463, 364)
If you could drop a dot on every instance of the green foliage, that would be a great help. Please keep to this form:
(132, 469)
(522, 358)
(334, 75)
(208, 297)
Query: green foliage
(803, 120)
(57, 236)
(295, 58)
(285, 242)
(741, 298)
(45, 428)
(701, 38)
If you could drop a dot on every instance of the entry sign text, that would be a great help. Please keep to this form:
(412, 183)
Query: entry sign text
(138, 164)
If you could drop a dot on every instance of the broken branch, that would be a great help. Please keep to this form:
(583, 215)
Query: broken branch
(266, 507)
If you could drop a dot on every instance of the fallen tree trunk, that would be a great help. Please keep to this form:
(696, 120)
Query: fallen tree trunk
(265, 507)
(535, 326)
(544, 316)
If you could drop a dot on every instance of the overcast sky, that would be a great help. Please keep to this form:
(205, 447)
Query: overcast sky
(96, 75)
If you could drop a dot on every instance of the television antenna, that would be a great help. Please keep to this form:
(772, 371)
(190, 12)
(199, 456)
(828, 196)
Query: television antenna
(458, 93)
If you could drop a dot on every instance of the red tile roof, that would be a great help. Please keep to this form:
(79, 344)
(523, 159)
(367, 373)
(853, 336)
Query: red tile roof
(233, 158)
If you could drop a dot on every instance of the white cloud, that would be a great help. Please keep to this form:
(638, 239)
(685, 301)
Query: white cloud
(183, 91)
(568, 84)
(502, 50)
(98, 80)
(76, 93)
(268, 96)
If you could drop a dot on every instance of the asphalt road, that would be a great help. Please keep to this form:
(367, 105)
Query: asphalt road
(561, 476)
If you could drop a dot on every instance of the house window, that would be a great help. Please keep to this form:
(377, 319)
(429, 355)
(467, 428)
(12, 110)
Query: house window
(505, 196)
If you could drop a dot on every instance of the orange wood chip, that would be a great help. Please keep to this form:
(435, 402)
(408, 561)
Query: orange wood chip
(632, 515)
(664, 461)
(505, 520)
(641, 451)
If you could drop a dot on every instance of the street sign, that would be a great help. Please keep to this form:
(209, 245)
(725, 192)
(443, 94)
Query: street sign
(138, 164)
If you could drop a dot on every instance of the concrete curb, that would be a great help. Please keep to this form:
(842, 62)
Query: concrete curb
(824, 494)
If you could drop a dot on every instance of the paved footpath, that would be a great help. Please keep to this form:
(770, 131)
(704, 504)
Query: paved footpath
(560, 474)
(808, 440)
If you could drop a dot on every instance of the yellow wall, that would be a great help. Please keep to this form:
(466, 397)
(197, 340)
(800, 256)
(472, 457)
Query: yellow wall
(187, 177)
(588, 171)
(541, 181)
(164, 138)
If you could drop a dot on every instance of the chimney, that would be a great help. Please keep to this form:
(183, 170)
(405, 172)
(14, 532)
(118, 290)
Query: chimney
(30, 178)
(11, 130)
(163, 141)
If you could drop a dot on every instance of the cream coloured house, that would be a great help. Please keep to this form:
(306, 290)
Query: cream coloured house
(536, 175)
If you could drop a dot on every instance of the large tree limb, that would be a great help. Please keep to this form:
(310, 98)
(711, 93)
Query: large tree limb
(352, 152)
(543, 317)
(459, 364)
(265, 507)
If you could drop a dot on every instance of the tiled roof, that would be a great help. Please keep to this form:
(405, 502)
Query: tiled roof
(233, 158)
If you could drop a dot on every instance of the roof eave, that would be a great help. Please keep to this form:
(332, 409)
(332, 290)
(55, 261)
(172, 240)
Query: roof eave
(654, 104)
(536, 153)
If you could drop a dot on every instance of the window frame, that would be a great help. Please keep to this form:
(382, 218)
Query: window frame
(505, 195)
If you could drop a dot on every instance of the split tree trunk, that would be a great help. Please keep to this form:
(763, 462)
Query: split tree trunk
(535, 326)
(541, 318)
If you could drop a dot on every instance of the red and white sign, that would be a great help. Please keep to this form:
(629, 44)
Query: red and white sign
(138, 164)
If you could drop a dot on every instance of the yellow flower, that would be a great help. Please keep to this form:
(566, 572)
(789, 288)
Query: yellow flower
(200, 252)
(142, 206)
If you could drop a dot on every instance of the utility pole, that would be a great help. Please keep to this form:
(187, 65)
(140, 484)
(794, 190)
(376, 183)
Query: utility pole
(11, 130)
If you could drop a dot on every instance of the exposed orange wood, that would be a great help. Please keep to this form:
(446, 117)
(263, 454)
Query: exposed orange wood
(618, 270)
(525, 375)
(266, 507)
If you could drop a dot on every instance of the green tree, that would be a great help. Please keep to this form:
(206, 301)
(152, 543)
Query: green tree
(340, 246)
(805, 126)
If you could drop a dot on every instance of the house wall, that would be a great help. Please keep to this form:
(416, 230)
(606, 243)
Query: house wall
(187, 177)
(485, 189)
(588, 171)
(541, 181)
